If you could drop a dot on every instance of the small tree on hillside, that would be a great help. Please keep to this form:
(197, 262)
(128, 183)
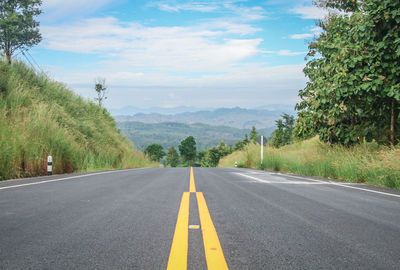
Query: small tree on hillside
(101, 89)
(283, 135)
(253, 134)
(246, 139)
(172, 157)
(155, 152)
(187, 148)
(18, 28)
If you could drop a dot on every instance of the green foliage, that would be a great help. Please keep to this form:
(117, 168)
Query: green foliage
(283, 135)
(214, 155)
(18, 28)
(369, 163)
(241, 144)
(187, 148)
(211, 157)
(172, 157)
(155, 152)
(201, 154)
(353, 93)
(253, 134)
(40, 117)
(304, 126)
(342, 5)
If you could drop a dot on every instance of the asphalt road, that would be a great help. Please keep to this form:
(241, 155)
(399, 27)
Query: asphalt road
(127, 219)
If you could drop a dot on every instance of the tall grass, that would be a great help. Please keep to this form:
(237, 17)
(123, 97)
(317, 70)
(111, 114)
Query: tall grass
(366, 163)
(41, 117)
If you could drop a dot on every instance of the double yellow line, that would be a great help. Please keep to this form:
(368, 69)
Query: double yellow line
(212, 247)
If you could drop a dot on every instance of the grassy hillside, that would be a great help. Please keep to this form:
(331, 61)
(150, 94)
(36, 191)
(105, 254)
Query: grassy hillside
(366, 163)
(171, 134)
(40, 117)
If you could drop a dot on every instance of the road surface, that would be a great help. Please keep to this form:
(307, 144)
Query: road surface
(215, 218)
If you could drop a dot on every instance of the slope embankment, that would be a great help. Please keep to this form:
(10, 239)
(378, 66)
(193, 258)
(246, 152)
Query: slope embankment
(41, 117)
(365, 163)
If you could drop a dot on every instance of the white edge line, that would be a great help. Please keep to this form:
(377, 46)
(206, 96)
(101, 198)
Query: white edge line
(331, 183)
(65, 178)
(281, 182)
(254, 178)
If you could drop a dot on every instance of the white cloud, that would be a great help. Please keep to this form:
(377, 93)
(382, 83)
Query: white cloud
(230, 8)
(301, 36)
(164, 48)
(310, 12)
(64, 8)
(189, 6)
(238, 87)
(315, 31)
(290, 53)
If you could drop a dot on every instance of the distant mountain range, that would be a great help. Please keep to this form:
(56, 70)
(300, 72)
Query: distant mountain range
(171, 134)
(169, 127)
(131, 110)
(232, 117)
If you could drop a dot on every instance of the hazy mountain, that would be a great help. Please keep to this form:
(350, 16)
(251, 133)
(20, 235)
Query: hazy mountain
(171, 134)
(131, 110)
(232, 117)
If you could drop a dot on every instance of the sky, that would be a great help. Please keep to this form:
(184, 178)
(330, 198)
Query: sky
(172, 53)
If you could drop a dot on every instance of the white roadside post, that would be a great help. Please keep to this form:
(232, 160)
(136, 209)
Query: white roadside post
(262, 148)
(49, 165)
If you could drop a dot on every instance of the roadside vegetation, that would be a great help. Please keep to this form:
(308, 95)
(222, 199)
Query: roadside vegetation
(369, 163)
(349, 114)
(41, 117)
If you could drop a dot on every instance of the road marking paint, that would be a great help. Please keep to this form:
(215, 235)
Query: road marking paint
(62, 179)
(212, 247)
(281, 182)
(179, 249)
(192, 187)
(346, 185)
(194, 227)
(254, 178)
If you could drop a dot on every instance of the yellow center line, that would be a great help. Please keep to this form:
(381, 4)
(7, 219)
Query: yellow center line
(212, 247)
(192, 187)
(179, 249)
(214, 254)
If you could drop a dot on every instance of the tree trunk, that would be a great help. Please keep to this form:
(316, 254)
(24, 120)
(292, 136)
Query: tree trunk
(8, 56)
(392, 124)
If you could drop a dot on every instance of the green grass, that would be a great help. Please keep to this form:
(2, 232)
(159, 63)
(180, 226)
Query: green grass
(366, 163)
(41, 117)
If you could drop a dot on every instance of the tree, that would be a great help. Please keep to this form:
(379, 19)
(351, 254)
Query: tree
(283, 135)
(246, 140)
(253, 134)
(172, 157)
(201, 154)
(353, 91)
(155, 152)
(288, 127)
(187, 148)
(18, 28)
(223, 149)
(304, 126)
(239, 146)
(101, 89)
(214, 155)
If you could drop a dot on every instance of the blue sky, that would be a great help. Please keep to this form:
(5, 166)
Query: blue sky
(179, 53)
